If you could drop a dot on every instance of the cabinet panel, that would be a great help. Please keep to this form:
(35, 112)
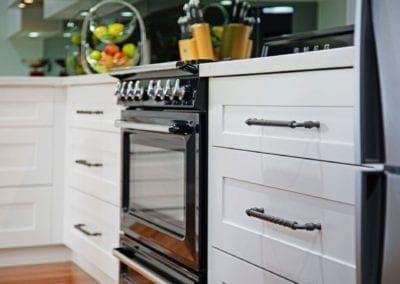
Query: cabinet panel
(284, 191)
(231, 270)
(94, 164)
(293, 97)
(93, 106)
(25, 216)
(86, 215)
(26, 156)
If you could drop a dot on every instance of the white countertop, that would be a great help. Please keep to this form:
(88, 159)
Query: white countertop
(57, 81)
(323, 59)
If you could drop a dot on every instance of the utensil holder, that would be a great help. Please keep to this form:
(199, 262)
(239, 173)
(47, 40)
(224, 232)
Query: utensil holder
(235, 41)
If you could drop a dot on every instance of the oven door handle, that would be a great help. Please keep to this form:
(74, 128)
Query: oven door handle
(142, 126)
(137, 267)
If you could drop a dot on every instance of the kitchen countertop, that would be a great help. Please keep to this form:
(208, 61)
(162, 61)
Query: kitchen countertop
(56, 81)
(323, 59)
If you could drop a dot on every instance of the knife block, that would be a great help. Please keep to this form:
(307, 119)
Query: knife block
(235, 43)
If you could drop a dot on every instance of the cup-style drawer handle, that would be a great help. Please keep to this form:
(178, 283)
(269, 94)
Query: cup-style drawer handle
(88, 164)
(281, 123)
(259, 213)
(80, 226)
(89, 112)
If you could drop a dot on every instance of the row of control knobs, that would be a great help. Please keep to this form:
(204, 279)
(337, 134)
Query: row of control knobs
(130, 91)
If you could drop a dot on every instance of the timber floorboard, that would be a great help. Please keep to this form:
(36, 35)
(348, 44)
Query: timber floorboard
(52, 273)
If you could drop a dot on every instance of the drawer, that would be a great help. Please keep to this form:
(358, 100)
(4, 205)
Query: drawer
(25, 216)
(94, 165)
(26, 156)
(27, 106)
(301, 96)
(93, 106)
(92, 230)
(292, 189)
(225, 268)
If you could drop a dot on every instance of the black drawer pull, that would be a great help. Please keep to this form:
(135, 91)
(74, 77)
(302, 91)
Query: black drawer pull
(87, 164)
(281, 123)
(90, 112)
(259, 213)
(79, 227)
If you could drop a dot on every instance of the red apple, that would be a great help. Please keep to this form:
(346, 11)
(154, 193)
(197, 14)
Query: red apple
(106, 60)
(120, 58)
(111, 49)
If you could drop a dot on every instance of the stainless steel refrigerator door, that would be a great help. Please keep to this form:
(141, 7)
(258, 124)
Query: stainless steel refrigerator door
(386, 25)
(391, 253)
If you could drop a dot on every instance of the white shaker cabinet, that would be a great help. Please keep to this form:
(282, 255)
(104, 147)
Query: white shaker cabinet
(92, 203)
(31, 165)
(281, 149)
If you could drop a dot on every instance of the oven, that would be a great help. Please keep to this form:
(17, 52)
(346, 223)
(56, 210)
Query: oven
(164, 175)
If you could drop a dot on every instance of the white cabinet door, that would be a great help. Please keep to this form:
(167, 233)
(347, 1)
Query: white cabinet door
(226, 269)
(94, 163)
(292, 189)
(92, 229)
(25, 216)
(93, 106)
(26, 156)
(238, 105)
(27, 106)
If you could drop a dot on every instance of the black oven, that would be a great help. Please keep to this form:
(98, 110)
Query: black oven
(164, 175)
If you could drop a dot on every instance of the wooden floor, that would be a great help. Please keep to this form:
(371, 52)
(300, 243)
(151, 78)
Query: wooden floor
(54, 273)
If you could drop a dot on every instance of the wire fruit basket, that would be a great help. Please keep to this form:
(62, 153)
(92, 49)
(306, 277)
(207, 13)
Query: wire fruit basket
(111, 39)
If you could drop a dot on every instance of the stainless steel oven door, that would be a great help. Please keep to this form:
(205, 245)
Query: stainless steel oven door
(160, 182)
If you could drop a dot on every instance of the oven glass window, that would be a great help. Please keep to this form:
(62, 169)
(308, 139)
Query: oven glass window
(157, 179)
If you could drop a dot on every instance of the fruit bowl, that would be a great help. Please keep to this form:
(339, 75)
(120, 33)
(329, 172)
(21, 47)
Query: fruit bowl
(112, 35)
(111, 56)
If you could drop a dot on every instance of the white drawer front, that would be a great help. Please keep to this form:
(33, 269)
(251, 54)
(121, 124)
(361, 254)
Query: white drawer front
(225, 268)
(270, 182)
(300, 97)
(26, 156)
(93, 106)
(25, 106)
(97, 217)
(25, 216)
(95, 164)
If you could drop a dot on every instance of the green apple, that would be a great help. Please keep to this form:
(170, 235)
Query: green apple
(129, 49)
(76, 38)
(100, 31)
(115, 29)
(95, 55)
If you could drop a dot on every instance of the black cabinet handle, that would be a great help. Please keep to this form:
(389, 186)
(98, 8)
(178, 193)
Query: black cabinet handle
(90, 112)
(80, 226)
(281, 123)
(259, 213)
(87, 164)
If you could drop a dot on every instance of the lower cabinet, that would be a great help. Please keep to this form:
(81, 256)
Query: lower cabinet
(92, 230)
(25, 216)
(255, 198)
(225, 268)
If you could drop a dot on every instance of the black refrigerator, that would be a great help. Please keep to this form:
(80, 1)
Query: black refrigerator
(377, 41)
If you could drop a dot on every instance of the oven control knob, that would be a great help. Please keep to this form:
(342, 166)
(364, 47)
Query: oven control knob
(151, 90)
(177, 91)
(167, 92)
(158, 91)
(129, 91)
(117, 89)
(138, 91)
(122, 91)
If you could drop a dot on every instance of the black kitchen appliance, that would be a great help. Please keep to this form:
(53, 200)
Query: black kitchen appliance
(164, 173)
(309, 41)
